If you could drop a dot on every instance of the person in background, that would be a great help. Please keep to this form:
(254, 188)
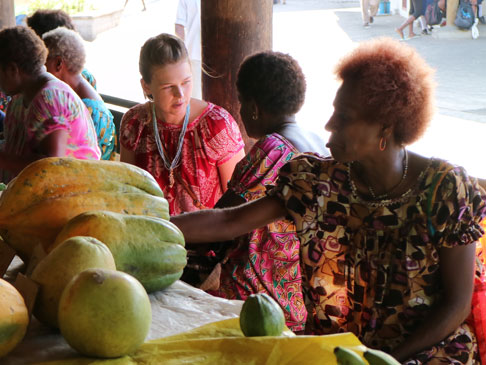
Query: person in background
(416, 11)
(45, 116)
(44, 20)
(387, 236)
(189, 145)
(188, 28)
(271, 89)
(369, 8)
(66, 60)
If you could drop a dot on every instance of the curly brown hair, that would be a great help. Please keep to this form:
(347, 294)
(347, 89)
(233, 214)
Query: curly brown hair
(395, 86)
(20, 45)
(161, 50)
(274, 80)
(44, 20)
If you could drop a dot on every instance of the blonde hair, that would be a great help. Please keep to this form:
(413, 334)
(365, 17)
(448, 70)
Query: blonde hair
(68, 45)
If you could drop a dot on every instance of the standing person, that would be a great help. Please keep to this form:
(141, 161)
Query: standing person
(44, 20)
(369, 8)
(388, 237)
(66, 60)
(271, 89)
(45, 116)
(190, 146)
(188, 28)
(416, 11)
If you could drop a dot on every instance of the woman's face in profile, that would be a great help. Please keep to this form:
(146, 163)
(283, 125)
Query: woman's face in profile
(352, 138)
(247, 114)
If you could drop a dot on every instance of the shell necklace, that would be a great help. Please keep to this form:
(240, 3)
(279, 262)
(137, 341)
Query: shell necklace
(165, 158)
(386, 195)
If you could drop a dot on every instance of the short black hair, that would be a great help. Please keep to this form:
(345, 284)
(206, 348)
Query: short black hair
(20, 45)
(44, 20)
(274, 80)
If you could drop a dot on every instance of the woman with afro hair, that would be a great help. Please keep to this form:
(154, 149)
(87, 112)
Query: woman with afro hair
(387, 236)
(271, 89)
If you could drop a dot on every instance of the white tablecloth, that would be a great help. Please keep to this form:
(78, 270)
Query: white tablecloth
(179, 308)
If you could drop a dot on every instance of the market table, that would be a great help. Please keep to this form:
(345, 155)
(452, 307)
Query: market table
(177, 309)
(189, 326)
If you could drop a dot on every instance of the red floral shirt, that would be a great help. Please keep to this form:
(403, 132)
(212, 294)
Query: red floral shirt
(211, 140)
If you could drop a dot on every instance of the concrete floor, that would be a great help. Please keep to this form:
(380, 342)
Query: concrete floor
(317, 33)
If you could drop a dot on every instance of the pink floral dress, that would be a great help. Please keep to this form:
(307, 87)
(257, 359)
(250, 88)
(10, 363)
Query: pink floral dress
(211, 139)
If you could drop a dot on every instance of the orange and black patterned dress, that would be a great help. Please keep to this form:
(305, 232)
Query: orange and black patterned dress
(373, 268)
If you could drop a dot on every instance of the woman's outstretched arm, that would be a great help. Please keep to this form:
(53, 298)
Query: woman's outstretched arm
(214, 225)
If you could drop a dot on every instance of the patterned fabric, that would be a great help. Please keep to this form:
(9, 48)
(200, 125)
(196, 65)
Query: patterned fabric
(54, 107)
(211, 139)
(89, 77)
(104, 126)
(4, 99)
(373, 269)
(267, 259)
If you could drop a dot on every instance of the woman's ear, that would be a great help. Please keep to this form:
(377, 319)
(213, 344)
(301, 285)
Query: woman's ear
(146, 89)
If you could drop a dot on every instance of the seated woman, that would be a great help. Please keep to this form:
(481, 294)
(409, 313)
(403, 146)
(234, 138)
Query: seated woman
(190, 146)
(45, 117)
(271, 89)
(387, 236)
(65, 60)
(45, 20)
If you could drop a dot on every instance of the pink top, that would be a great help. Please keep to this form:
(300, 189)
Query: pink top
(56, 106)
(210, 140)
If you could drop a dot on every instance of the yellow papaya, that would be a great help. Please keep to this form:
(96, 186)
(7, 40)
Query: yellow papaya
(58, 176)
(54, 272)
(14, 317)
(149, 248)
(41, 222)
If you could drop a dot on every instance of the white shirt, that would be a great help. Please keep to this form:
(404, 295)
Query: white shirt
(189, 16)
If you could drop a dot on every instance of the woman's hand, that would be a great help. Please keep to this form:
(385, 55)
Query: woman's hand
(457, 270)
(214, 225)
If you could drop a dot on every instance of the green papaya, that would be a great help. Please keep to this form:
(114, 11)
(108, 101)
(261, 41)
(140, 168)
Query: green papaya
(150, 249)
(261, 316)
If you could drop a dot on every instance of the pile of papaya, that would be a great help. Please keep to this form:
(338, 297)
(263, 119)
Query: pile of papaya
(105, 230)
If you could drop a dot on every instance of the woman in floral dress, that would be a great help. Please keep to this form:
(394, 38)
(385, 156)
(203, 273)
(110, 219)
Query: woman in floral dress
(271, 89)
(387, 236)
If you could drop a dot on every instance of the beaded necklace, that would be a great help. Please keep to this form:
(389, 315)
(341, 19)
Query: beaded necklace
(165, 158)
(385, 195)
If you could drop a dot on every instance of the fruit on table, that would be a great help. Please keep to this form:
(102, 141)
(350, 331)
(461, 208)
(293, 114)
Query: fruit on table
(56, 270)
(346, 356)
(104, 313)
(377, 357)
(14, 317)
(151, 249)
(261, 316)
(51, 191)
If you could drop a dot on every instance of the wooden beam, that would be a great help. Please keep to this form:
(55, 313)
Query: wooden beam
(230, 31)
(7, 13)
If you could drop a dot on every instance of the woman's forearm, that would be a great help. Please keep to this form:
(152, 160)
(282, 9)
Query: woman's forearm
(214, 225)
(444, 320)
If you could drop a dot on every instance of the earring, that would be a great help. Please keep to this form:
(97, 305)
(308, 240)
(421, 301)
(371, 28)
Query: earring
(382, 145)
(254, 116)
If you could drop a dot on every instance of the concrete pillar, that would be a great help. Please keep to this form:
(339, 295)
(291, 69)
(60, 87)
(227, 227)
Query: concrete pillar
(7, 13)
(230, 31)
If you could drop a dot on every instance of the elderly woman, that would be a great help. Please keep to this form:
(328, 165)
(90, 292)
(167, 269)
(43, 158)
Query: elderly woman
(271, 89)
(66, 60)
(387, 236)
(45, 20)
(45, 117)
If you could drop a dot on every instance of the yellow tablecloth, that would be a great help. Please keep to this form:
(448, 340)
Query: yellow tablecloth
(223, 343)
